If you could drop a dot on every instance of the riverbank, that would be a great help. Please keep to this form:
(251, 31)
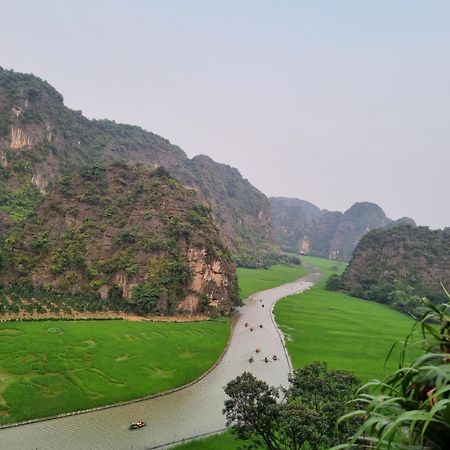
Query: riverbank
(347, 332)
(184, 414)
(49, 368)
(105, 315)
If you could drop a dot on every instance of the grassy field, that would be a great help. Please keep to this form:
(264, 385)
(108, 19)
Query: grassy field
(254, 280)
(347, 332)
(52, 367)
(223, 441)
(327, 266)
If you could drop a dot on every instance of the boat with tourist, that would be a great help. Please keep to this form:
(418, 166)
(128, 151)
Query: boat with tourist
(137, 425)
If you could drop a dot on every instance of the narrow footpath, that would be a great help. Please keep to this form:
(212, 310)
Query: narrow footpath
(185, 414)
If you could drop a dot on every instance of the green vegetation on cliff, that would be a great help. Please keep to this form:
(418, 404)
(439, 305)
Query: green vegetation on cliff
(105, 235)
(51, 367)
(399, 266)
(17, 203)
(42, 140)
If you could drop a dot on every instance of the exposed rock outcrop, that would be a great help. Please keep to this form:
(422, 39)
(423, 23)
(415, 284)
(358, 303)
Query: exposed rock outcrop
(128, 232)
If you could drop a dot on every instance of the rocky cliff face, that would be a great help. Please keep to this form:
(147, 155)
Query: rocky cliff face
(41, 139)
(415, 260)
(124, 233)
(303, 228)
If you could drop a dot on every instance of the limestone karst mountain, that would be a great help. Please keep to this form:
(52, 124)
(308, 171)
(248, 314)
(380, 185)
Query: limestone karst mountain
(400, 265)
(41, 139)
(302, 227)
(124, 238)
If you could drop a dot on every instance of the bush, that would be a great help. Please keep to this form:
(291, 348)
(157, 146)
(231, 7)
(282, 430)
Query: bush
(94, 172)
(125, 237)
(145, 298)
(334, 283)
(5, 122)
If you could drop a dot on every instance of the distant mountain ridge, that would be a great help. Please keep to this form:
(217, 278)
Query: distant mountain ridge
(302, 227)
(41, 139)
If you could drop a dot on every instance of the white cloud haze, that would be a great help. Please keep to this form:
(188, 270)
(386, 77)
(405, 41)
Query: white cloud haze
(332, 102)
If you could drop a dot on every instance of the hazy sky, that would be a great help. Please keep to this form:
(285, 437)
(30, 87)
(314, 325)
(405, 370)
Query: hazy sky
(329, 101)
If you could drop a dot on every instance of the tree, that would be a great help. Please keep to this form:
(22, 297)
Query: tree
(325, 392)
(304, 419)
(252, 409)
(334, 283)
(411, 408)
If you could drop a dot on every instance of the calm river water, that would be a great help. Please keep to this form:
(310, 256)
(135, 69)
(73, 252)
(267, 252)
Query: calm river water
(184, 414)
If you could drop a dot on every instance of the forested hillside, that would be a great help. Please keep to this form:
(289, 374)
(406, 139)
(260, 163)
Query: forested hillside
(118, 238)
(399, 266)
(41, 139)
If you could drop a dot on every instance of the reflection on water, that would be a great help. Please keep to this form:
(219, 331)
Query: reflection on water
(187, 413)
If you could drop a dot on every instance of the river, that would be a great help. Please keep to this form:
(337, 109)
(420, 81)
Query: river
(184, 414)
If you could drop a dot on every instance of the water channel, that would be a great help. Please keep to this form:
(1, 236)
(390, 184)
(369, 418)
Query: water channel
(184, 414)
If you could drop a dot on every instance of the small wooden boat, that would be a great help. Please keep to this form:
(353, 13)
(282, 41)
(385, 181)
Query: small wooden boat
(137, 425)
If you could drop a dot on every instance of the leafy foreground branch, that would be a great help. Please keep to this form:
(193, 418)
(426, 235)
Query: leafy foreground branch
(411, 408)
(299, 418)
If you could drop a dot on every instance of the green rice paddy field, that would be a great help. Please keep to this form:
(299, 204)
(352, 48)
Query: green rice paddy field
(57, 366)
(52, 367)
(347, 332)
(254, 280)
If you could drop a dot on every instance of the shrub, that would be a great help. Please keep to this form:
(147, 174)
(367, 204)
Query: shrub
(145, 298)
(334, 283)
